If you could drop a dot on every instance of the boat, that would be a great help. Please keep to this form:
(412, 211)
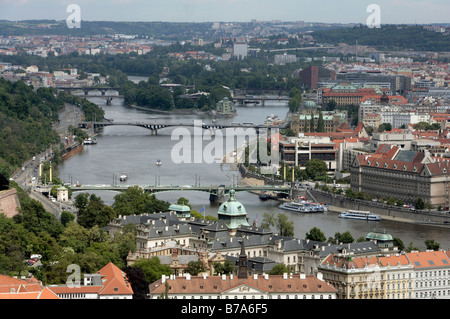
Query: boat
(302, 207)
(123, 177)
(359, 214)
(272, 120)
(90, 141)
(158, 162)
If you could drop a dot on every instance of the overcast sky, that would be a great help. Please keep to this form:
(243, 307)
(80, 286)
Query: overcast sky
(332, 11)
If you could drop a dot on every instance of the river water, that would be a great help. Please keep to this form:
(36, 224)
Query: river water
(135, 151)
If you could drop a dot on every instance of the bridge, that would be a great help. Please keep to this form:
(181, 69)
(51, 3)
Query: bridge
(259, 99)
(87, 90)
(218, 193)
(154, 127)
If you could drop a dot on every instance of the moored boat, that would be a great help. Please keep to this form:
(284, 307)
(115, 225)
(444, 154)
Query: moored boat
(359, 214)
(302, 207)
(123, 177)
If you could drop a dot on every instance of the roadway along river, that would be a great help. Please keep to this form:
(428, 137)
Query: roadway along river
(135, 151)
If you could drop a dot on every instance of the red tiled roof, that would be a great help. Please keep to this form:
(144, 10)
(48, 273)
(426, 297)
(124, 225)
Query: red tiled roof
(216, 285)
(114, 281)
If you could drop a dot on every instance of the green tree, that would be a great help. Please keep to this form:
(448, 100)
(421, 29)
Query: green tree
(345, 238)
(223, 268)
(420, 204)
(279, 270)
(320, 123)
(95, 212)
(152, 268)
(284, 226)
(316, 234)
(431, 244)
(195, 267)
(315, 168)
(134, 201)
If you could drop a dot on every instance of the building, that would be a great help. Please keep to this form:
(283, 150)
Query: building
(307, 120)
(310, 77)
(401, 174)
(398, 83)
(369, 277)
(345, 94)
(108, 283)
(299, 150)
(243, 285)
(432, 274)
(24, 288)
(225, 107)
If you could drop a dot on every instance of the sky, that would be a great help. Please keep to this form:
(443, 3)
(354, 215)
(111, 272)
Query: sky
(328, 11)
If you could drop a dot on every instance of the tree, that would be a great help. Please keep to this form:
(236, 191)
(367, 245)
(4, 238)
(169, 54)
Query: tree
(316, 234)
(320, 123)
(279, 270)
(315, 168)
(420, 204)
(152, 268)
(225, 268)
(431, 244)
(195, 267)
(95, 212)
(134, 201)
(139, 284)
(281, 222)
(345, 238)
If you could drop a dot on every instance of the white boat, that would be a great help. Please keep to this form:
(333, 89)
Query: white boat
(89, 141)
(359, 214)
(158, 162)
(123, 177)
(302, 207)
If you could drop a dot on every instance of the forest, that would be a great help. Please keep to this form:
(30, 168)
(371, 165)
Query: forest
(387, 37)
(26, 118)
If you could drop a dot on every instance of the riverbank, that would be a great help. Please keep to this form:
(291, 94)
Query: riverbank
(339, 204)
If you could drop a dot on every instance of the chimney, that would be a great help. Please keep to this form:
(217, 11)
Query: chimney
(320, 276)
(285, 275)
(302, 276)
(163, 279)
(224, 277)
(255, 276)
(266, 276)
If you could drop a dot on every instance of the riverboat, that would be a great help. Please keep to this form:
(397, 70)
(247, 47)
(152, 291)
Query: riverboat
(361, 215)
(302, 207)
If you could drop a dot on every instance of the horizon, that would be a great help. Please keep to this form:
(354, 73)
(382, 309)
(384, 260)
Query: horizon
(201, 11)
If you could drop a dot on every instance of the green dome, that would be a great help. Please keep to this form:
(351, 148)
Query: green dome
(232, 212)
(379, 236)
(232, 206)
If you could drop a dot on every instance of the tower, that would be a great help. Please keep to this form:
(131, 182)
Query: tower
(243, 262)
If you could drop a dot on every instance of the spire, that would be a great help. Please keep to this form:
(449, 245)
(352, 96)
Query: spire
(242, 270)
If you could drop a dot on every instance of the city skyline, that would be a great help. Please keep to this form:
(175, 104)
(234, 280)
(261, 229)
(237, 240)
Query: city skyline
(351, 11)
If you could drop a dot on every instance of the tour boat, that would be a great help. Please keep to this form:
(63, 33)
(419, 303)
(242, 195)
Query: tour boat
(302, 207)
(123, 177)
(358, 214)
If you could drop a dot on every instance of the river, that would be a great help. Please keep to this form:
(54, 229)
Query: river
(134, 150)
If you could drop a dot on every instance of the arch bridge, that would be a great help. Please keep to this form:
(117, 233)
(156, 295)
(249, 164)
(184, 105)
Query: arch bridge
(218, 193)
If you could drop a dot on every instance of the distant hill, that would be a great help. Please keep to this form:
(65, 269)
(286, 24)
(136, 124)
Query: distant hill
(391, 37)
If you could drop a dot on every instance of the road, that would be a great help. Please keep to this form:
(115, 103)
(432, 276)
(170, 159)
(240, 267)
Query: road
(28, 177)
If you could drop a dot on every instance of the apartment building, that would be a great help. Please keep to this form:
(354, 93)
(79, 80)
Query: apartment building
(415, 275)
